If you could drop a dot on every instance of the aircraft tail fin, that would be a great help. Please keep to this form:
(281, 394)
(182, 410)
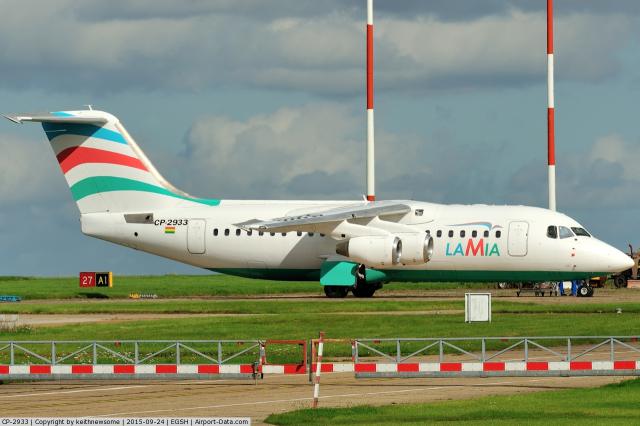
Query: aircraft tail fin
(104, 167)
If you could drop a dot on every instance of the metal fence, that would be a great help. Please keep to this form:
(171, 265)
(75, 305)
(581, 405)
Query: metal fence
(484, 349)
(482, 356)
(129, 352)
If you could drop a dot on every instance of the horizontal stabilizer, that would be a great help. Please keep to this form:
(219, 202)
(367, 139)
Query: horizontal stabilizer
(55, 117)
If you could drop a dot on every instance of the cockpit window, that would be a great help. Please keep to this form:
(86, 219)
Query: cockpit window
(565, 232)
(552, 231)
(581, 232)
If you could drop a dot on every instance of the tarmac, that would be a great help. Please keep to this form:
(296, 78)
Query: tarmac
(246, 398)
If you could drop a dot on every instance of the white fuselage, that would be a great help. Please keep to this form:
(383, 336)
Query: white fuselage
(471, 242)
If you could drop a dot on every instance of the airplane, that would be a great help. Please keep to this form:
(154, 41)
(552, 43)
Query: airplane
(347, 246)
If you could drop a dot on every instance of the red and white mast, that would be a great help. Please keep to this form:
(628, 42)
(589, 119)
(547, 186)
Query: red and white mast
(371, 192)
(551, 148)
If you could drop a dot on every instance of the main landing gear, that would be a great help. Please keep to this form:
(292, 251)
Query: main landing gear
(360, 290)
(336, 291)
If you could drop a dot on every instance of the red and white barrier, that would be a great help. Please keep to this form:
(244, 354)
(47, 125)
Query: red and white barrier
(284, 369)
(117, 370)
(448, 369)
(362, 369)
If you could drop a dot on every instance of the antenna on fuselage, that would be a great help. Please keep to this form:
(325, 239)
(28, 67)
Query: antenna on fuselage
(371, 191)
(551, 148)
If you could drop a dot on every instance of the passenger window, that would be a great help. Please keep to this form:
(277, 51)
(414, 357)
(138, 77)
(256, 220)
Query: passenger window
(498, 234)
(299, 233)
(462, 234)
(565, 232)
(439, 234)
(474, 234)
(215, 232)
(249, 232)
(226, 232)
(260, 233)
(311, 234)
(284, 234)
(552, 231)
(238, 232)
(450, 234)
(486, 234)
(272, 233)
(322, 235)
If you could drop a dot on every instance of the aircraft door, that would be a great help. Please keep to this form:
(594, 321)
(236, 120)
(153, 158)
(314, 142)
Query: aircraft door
(517, 240)
(196, 231)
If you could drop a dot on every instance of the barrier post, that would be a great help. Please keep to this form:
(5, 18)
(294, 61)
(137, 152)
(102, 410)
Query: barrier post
(310, 355)
(316, 387)
(263, 359)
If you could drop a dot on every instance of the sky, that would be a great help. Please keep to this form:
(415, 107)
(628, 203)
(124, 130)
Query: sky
(243, 99)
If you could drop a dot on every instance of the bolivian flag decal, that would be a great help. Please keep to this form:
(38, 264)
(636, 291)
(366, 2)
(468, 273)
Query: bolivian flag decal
(169, 229)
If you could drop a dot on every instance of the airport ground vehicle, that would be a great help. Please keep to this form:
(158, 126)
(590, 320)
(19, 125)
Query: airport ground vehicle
(620, 279)
(585, 287)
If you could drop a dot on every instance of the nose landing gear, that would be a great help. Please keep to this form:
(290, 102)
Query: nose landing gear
(585, 290)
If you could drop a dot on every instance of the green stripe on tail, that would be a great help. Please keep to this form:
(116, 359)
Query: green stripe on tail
(97, 184)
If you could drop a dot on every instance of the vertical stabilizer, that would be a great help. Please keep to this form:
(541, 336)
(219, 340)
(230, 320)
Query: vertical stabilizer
(105, 169)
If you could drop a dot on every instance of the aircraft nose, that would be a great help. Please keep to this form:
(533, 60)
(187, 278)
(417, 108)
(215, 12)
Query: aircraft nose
(619, 261)
(609, 259)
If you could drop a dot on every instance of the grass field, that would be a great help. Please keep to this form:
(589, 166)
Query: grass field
(168, 286)
(286, 325)
(199, 306)
(611, 404)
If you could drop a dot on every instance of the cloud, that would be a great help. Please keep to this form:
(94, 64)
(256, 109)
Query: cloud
(600, 177)
(301, 151)
(317, 151)
(447, 10)
(26, 169)
(90, 47)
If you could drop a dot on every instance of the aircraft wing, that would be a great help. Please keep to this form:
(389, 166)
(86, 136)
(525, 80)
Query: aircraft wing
(53, 117)
(317, 220)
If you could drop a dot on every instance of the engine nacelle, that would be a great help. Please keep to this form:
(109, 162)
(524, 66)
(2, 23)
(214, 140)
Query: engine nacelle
(372, 251)
(416, 249)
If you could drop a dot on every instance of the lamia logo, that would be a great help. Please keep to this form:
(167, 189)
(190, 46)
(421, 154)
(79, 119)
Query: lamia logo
(480, 248)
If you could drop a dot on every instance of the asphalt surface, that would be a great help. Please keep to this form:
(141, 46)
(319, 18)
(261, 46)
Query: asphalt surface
(246, 398)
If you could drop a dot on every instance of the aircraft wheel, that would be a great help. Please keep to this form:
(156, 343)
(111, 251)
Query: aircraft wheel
(620, 281)
(591, 291)
(363, 290)
(336, 291)
(583, 291)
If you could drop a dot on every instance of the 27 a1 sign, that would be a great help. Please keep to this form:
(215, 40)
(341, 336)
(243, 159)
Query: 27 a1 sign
(96, 279)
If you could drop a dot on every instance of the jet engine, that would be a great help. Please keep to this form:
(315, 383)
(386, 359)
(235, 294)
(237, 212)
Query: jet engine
(372, 251)
(416, 249)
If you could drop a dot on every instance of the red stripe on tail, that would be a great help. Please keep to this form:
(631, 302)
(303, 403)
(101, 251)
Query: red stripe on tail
(74, 156)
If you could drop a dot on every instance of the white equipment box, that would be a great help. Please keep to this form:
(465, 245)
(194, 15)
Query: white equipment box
(477, 307)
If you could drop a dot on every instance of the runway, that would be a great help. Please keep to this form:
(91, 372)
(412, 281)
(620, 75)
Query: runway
(253, 399)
